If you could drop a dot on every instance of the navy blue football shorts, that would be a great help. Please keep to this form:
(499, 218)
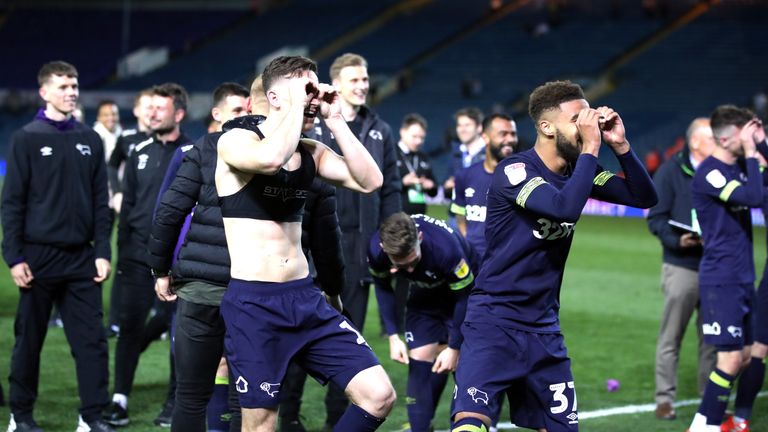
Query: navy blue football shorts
(727, 316)
(533, 369)
(269, 323)
(424, 327)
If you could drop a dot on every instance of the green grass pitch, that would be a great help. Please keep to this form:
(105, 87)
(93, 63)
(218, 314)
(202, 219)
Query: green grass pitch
(611, 305)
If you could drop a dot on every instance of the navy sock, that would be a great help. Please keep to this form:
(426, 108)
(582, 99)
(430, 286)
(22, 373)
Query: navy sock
(358, 420)
(715, 398)
(218, 407)
(437, 382)
(750, 382)
(469, 424)
(420, 399)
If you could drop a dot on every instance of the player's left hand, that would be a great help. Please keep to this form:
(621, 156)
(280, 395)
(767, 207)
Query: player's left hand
(102, 270)
(613, 131)
(760, 132)
(397, 349)
(330, 102)
(446, 361)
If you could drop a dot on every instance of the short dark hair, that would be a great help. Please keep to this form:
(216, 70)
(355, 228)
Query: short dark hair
(489, 120)
(549, 96)
(475, 114)
(227, 89)
(399, 235)
(412, 119)
(146, 92)
(729, 115)
(104, 103)
(346, 60)
(174, 91)
(286, 66)
(58, 67)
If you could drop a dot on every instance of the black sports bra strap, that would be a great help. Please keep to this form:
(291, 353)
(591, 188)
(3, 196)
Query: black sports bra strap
(258, 132)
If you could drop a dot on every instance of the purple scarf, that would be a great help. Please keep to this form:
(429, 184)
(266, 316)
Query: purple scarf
(62, 126)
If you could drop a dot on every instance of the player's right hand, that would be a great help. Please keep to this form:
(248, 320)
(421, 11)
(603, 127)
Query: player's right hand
(748, 137)
(301, 91)
(163, 289)
(589, 130)
(22, 275)
(397, 349)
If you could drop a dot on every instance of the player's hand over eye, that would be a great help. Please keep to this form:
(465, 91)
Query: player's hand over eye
(613, 131)
(589, 130)
(747, 136)
(301, 91)
(330, 102)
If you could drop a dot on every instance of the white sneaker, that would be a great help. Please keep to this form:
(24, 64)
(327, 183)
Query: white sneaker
(22, 426)
(94, 426)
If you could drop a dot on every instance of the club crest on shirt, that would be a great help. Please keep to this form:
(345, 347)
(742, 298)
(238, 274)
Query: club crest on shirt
(84, 150)
(46, 151)
(143, 158)
(515, 173)
(716, 178)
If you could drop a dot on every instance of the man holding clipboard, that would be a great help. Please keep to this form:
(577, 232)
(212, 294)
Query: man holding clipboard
(673, 221)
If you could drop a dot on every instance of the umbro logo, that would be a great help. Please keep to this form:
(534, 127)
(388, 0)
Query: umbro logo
(469, 192)
(46, 151)
(374, 134)
(573, 418)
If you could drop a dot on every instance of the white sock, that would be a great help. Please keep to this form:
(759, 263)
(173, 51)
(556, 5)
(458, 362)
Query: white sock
(699, 423)
(120, 399)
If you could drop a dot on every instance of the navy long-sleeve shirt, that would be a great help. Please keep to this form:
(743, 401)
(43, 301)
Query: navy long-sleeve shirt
(532, 213)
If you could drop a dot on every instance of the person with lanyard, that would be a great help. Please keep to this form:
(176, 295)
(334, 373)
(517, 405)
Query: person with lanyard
(414, 165)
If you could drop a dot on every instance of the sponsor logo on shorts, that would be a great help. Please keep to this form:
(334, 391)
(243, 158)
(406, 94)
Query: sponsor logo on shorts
(271, 389)
(711, 329)
(409, 336)
(734, 331)
(84, 150)
(478, 395)
(241, 385)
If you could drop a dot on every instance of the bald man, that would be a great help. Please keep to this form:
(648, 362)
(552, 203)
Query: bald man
(672, 222)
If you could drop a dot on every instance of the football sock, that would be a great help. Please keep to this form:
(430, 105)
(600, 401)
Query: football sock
(437, 382)
(716, 397)
(357, 419)
(469, 424)
(419, 399)
(120, 399)
(750, 382)
(218, 407)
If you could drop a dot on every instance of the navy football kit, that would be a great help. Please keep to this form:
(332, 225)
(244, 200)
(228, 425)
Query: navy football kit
(512, 340)
(722, 196)
(437, 301)
(470, 194)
